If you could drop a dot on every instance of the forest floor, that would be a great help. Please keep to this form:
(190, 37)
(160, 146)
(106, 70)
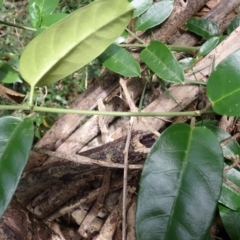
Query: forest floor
(60, 197)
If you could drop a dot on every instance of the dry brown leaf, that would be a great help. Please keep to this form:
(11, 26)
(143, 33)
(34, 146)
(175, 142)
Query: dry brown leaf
(11, 95)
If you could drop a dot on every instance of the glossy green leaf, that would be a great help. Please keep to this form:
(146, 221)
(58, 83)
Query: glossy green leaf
(119, 60)
(140, 6)
(16, 137)
(35, 15)
(48, 20)
(8, 74)
(230, 196)
(74, 41)
(222, 38)
(46, 7)
(162, 62)
(203, 27)
(231, 221)
(233, 25)
(223, 86)
(180, 185)
(208, 46)
(232, 148)
(155, 15)
(206, 122)
(186, 62)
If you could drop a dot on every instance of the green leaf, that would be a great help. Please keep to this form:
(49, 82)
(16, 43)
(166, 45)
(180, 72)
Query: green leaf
(230, 196)
(71, 43)
(162, 62)
(180, 185)
(231, 221)
(119, 60)
(48, 20)
(226, 78)
(1, 2)
(16, 137)
(35, 15)
(233, 25)
(206, 122)
(46, 7)
(203, 27)
(208, 46)
(155, 15)
(186, 62)
(232, 148)
(121, 38)
(8, 74)
(222, 38)
(140, 6)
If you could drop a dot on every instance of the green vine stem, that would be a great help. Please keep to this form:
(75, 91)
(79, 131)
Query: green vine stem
(108, 113)
(135, 36)
(30, 102)
(176, 48)
(17, 26)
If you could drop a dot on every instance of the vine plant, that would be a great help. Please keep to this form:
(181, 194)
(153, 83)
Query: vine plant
(182, 181)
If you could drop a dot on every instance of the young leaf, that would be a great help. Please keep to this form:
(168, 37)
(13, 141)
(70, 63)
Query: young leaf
(180, 185)
(231, 221)
(155, 15)
(233, 25)
(226, 77)
(74, 41)
(161, 61)
(45, 7)
(203, 27)
(208, 46)
(8, 74)
(35, 15)
(48, 20)
(119, 60)
(140, 6)
(16, 138)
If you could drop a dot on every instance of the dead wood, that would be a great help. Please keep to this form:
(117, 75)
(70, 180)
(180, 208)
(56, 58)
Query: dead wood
(184, 96)
(183, 10)
(61, 171)
(19, 224)
(86, 228)
(68, 123)
(47, 189)
(217, 15)
(85, 202)
(220, 11)
(110, 225)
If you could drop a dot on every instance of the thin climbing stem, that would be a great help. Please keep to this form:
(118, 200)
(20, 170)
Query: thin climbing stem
(135, 36)
(17, 26)
(107, 113)
(176, 48)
